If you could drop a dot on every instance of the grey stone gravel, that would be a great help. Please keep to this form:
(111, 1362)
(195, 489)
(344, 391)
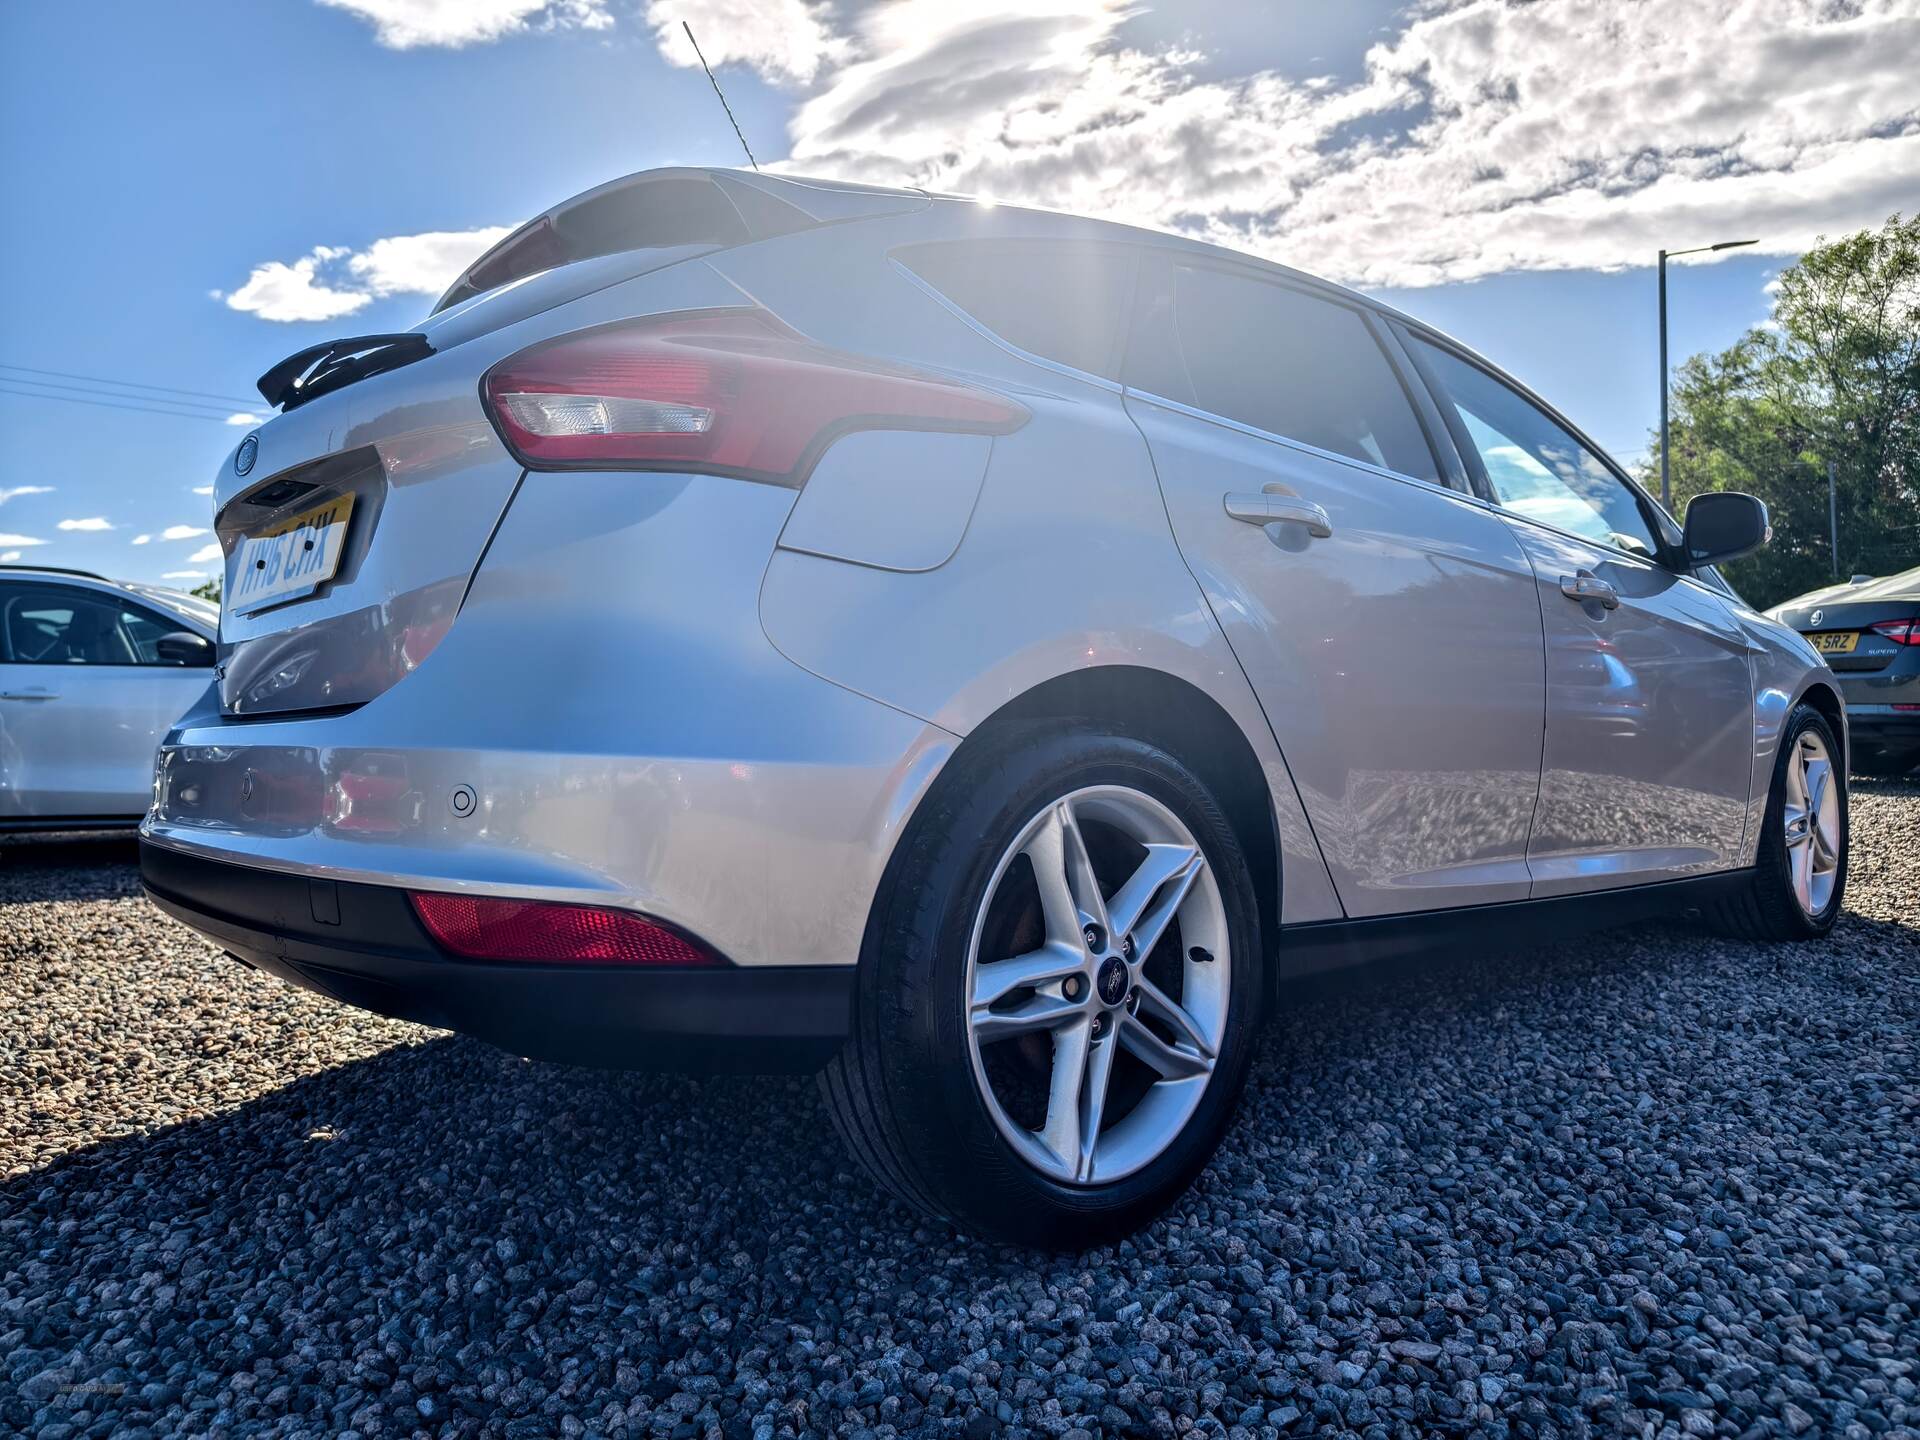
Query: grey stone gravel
(1647, 1183)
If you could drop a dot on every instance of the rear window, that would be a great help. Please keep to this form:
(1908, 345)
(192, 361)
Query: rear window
(644, 215)
(1062, 301)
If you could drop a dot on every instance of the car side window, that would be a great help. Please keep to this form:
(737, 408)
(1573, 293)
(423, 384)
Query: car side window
(1281, 360)
(1058, 299)
(53, 625)
(1534, 467)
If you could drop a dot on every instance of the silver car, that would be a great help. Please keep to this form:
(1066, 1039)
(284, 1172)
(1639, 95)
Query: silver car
(980, 652)
(92, 673)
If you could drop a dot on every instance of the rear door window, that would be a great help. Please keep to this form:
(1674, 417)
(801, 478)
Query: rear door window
(1281, 360)
(1535, 468)
(1060, 300)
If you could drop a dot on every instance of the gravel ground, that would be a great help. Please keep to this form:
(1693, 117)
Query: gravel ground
(1647, 1183)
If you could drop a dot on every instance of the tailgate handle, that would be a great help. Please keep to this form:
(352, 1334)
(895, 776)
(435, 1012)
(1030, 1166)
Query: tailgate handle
(1265, 509)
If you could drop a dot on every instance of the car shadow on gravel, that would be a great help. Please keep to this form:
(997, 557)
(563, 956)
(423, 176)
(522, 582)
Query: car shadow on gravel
(1648, 1176)
(70, 866)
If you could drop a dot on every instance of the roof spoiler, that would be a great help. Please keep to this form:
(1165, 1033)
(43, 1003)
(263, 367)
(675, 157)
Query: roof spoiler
(335, 363)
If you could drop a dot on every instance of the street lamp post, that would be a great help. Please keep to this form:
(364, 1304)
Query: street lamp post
(1666, 488)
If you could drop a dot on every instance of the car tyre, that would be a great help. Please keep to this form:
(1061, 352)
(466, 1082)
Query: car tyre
(927, 1092)
(1799, 878)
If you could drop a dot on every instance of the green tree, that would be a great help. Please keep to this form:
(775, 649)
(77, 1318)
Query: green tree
(207, 590)
(1833, 376)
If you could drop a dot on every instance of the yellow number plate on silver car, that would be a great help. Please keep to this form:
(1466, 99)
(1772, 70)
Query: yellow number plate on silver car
(1836, 642)
(292, 557)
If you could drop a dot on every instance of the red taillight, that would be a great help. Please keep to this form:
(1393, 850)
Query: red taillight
(481, 927)
(733, 392)
(1901, 632)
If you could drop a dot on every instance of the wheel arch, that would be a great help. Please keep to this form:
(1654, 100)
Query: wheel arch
(1826, 699)
(1183, 719)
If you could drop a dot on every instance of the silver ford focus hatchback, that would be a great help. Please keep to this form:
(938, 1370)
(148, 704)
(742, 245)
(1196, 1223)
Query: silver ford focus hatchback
(972, 652)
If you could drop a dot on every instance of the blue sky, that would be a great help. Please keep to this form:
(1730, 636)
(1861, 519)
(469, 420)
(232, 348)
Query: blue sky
(171, 168)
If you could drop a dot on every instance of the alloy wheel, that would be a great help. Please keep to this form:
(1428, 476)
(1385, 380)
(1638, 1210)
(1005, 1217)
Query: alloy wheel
(1811, 817)
(1097, 984)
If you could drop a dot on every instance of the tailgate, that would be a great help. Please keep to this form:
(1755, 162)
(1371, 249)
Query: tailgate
(410, 460)
(353, 521)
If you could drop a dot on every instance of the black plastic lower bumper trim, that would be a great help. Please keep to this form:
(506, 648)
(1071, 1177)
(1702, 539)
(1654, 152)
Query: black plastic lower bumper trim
(361, 944)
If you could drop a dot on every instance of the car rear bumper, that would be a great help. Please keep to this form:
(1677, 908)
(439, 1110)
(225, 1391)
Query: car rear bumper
(1876, 730)
(604, 723)
(362, 944)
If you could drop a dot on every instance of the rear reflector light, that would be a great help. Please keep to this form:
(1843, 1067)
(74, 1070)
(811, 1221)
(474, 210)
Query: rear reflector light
(730, 392)
(1901, 632)
(481, 927)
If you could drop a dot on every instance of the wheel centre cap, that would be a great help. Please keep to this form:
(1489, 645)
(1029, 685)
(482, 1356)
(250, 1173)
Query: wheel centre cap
(1111, 980)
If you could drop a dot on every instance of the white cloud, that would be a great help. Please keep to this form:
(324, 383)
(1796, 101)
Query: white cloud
(9, 557)
(7, 492)
(184, 575)
(182, 532)
(203, 489)
(406, 24)
(421, 264)
(206, 553)
(1478, 137)
(277, 291)
(6, 538)
(242, 417)
(330, 280)
(92, 522)
(1482, 137)
(785, 40)
(142, 539)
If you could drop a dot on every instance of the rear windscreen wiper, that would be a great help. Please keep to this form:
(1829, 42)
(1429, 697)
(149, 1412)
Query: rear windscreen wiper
(336, 363)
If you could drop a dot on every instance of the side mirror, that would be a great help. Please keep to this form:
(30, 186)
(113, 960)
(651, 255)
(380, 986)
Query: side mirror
(183, 647)
(1724, 525)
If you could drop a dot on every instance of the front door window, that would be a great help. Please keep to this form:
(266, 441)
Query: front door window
(1534, 467)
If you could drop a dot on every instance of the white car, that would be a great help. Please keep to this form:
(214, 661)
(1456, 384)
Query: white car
(92, 672)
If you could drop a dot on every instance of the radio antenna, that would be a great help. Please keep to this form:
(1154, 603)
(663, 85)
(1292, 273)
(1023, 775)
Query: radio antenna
(723, 96)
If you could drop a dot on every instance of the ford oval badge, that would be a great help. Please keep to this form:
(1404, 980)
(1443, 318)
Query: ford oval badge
(244, 457)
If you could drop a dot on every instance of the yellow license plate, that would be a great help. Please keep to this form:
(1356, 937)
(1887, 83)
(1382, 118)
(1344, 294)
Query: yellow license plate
(1836, 642)
(290, 558)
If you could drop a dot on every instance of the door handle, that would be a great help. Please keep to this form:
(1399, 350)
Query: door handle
(29, 695)
(1265, 509)
(1585, 585)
